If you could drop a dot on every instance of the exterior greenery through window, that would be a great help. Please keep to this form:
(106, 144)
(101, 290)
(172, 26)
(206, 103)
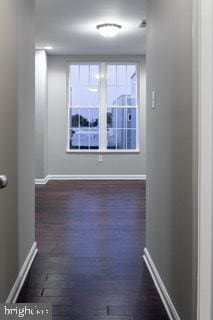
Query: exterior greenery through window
(103, 107)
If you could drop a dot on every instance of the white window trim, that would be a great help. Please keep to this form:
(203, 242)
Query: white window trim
(103, 110)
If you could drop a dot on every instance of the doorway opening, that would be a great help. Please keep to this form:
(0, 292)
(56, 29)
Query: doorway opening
(90, 166)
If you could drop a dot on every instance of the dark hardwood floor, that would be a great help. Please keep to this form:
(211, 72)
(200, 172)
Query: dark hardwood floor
(91, 237)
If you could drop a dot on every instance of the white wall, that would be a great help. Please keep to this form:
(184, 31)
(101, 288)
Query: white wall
(169, 149)
(62, 163)
(41, 113)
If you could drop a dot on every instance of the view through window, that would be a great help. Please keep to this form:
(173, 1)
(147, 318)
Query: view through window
(103, 107)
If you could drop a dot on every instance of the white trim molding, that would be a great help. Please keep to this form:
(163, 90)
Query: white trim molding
(102, 93)
(96, 177)
(41, 181)
(205, 160)
(89, 177)
(14, 293)
(164, 295)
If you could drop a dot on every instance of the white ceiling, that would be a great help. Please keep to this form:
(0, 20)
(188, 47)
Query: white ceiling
(70, 26)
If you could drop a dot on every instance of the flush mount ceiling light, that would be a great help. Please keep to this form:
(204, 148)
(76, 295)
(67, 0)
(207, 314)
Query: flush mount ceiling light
(109, 30)
(94, 90)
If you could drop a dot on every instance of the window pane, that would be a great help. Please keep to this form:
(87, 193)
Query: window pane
(131, 85)
(111, 75)
(94, 75)
(93, 96)
(74, 75)
(121, 99)
(74, 96)
(84, 118)
(121, 124)
(121, 93)
(121, 75)
(111, 117)
(84, 75)
(84, 96)
(74, 139)
(74, 118)
(84, 123)
(131, 139)
(94, 139)
(94, 128)
(121, 139)
(131, 101)
(112, 96)
(94, 118)
(121, 85)
(84, 85)
(121, 118)
(131, 118)
(84, 139)
(111, 138)
(131, 69)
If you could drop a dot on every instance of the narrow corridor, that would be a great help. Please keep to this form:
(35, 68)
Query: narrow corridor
(91, 237)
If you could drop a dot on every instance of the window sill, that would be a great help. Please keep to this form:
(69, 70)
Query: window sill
(136, 151)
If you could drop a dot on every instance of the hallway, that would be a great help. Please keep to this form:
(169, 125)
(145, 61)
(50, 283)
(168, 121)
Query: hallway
(91, 236)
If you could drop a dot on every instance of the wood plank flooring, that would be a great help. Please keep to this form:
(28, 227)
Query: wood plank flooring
(91, 236)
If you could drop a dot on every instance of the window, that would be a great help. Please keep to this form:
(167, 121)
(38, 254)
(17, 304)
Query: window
(103, 107)
(84, 106)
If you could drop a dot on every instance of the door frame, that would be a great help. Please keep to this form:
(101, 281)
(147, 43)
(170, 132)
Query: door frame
(203, 105)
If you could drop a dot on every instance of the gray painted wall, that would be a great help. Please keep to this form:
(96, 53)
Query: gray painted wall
(17, 138)
(26, 129)
(41, 128)
(62, 163)
(169, 152)
(8, 156)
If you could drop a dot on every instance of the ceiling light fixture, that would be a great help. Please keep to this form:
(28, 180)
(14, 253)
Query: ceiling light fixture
(109, 30)
(94, 90)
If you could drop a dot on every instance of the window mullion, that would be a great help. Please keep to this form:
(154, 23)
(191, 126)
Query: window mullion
(103, 108)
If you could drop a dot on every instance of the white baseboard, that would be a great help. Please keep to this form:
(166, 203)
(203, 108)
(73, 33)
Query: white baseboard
(89, 177)
(96, 177)
(168, 304)
(14, 293)
(41, 181)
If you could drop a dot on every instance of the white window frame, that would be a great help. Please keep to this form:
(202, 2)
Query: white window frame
(103, 108)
